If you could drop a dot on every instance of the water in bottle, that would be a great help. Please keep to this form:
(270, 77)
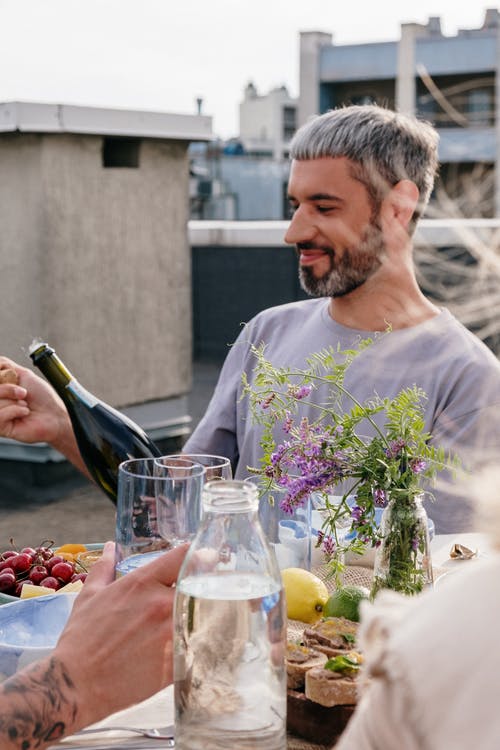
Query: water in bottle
(230, 630)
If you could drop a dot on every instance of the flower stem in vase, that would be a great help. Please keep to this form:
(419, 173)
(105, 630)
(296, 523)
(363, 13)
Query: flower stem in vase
(403, 561)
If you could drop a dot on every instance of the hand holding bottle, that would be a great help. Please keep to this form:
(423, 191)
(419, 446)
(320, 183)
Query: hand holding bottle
(31, 411)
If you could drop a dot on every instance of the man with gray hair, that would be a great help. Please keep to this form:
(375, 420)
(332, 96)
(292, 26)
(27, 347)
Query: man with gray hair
(360, 179)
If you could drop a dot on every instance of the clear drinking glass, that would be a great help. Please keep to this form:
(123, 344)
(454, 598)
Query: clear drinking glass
(216, 467)
(142, 485)
(178, 498)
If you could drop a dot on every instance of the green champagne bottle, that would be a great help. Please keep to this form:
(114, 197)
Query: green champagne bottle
(105, 437)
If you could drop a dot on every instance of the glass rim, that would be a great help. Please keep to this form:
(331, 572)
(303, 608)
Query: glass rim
(229, 496)
(124, 468)
(224, 460)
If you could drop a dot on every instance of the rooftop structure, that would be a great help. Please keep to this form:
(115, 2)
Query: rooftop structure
(449, 80)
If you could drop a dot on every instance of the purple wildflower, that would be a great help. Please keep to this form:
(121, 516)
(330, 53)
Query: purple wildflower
(299, 392)
(329, 545)
(303, 391)
(379, 497)
(395, 448)
(265, 404)
(414, 543)
(356, 513)
(417, 465)
(288, 423)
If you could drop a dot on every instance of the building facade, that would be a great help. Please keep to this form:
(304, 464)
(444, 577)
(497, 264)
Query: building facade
(450, 81)
(267, 122)
(94, 255)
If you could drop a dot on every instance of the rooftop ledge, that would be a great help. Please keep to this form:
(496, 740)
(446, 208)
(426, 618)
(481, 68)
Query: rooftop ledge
(38, 117)
(271, 233)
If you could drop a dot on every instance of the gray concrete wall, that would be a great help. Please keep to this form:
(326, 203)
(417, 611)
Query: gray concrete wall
(96, 261)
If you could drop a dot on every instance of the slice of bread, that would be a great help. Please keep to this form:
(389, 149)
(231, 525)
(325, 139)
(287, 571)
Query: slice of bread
(330, 688)
(298, 660)
(332, 636)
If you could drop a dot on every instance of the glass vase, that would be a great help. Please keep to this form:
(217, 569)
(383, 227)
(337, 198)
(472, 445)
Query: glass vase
(403, 559)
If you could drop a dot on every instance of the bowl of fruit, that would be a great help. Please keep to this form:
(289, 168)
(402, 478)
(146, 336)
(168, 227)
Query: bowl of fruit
(30, 629)
(45, 569)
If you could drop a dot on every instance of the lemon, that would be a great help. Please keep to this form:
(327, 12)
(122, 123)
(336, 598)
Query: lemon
(306, 594)
(345, 601)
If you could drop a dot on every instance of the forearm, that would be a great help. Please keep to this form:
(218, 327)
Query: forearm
(38, 707)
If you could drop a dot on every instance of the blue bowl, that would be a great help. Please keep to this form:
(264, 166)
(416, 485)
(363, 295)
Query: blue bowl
(30, 628)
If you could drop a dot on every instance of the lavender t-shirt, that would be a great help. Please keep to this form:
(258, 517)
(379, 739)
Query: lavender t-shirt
(459, 374)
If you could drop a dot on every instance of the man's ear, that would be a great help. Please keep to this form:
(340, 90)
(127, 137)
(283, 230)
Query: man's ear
(402, 201)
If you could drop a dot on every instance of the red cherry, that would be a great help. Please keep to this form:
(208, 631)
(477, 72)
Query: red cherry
(6, 565)
(19, 588)
(54, 560)
(21, 563)
(79, 577)
(8, 553)
(37, 574)
(63, 571)
(51, 583)
(7, 581)
(44, 553)
(29, 551)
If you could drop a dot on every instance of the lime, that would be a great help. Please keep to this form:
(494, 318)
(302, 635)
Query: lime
(305, 593)
(345, 601)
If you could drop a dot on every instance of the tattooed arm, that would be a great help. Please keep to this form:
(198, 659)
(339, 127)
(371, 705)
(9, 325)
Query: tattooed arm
(115, 650)
(38, 706)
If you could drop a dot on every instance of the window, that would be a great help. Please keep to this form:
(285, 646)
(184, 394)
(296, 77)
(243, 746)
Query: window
(479, 106)
(120, 152)
(289, 122)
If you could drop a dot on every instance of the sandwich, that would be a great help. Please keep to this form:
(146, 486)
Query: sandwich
(299, 660)
(335, 683)
(332, 636)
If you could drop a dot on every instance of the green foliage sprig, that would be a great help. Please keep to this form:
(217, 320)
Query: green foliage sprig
(318, 454)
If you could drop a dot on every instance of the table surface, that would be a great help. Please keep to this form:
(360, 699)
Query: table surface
(158, 712)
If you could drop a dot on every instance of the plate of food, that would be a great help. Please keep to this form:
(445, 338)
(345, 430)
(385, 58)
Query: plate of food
(45, 569)
(323, 671)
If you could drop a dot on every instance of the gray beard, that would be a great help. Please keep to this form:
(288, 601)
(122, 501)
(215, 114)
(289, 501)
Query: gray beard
(350, 271)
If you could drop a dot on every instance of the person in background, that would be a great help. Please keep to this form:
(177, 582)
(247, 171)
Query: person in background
(360, 179)
(116, 650)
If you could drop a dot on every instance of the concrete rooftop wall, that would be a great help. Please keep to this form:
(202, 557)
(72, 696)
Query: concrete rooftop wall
(96, 261)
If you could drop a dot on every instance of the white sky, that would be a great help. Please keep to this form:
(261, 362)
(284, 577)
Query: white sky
(163, 54)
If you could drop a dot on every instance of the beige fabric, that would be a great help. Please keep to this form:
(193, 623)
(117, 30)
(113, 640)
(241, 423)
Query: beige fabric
(434, 667)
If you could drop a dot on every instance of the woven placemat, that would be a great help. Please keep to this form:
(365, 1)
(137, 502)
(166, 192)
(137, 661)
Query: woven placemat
(352, 576)
(296, 743)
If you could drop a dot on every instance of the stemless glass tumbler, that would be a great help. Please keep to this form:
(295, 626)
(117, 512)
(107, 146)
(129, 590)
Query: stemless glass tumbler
(216, 467)
(145, 488)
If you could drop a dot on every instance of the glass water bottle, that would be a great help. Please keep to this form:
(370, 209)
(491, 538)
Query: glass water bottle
(230, 630)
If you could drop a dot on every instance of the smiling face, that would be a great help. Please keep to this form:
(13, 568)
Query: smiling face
(334, 227)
